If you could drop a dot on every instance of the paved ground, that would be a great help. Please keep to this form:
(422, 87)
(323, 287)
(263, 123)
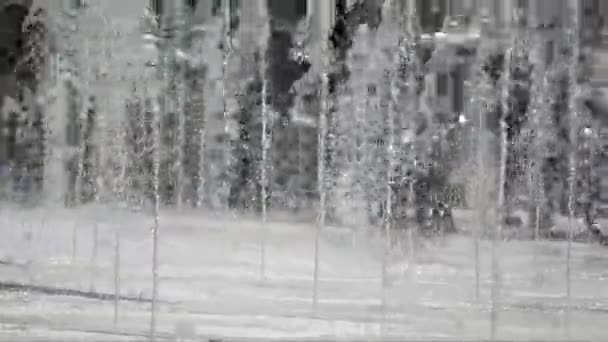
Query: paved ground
(211, 283)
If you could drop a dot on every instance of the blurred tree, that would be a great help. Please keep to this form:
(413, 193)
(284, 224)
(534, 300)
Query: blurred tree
(195, 134)
(22, 58)
(283, 70)
(90, 152)
(246, 147)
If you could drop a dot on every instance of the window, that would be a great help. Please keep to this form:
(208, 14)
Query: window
(423, 9)
(216, 7)
(457, 89)
(191, 4)
(77, 4)
(288, 10)
(522, 4)
(371, 89)
(156, 6)
(549, 52)
(440, 10)
(442, 84)
(431, 14)
(427, 53)
(341, 8)
(235, 5)
(301, 8)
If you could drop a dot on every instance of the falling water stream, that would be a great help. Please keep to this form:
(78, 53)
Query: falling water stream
(322, 134)
(227, 51)
(264, 168)
(573, 119)
(481, 89)
(180, 108)
(156, 113)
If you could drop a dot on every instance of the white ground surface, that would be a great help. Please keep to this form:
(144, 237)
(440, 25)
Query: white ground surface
(211, 283)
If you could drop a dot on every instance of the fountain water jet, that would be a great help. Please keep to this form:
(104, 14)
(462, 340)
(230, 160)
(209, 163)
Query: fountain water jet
(482, 94)
(177, 42)
(322, 133)
(500, 206)
(266, 143)
(156, 227)
(227, 50)
(574, 93)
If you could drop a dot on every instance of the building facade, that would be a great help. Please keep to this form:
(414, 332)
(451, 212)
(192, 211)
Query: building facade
(450, 30)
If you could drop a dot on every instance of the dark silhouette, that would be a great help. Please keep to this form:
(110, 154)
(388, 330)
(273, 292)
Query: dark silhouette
(22, 35)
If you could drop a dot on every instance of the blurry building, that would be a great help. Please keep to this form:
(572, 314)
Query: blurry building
(594, 36)
(12, 15)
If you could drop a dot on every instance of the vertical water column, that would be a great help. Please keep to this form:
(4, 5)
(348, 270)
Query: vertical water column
(172, 26)
(70, 74)
(177, 26)
(156, 113)
(198, 75)
(539, 127)
(482, 96)
(98, 28)
(227, 52)
(505, 103)
(574, 93)
(86, 111)
(354, 123)
(409, 69)
(55, 118)
(260, 21)
(320, 60)
(152, 105)
(154, 108)
(390, 196)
